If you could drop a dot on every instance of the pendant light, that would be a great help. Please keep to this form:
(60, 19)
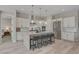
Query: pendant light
(40, 18)
(40, 14)
(46, 13)
(32, 15)
(46, 16)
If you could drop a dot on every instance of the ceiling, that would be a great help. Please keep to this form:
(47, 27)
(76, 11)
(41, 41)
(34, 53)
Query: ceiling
(51, 9)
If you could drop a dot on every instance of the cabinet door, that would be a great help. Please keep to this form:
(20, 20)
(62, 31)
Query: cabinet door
(64, 35)
(70, 36)
(19, 36)
(69, 22)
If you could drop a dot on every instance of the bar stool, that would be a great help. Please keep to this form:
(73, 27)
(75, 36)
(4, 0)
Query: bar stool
(39, 42)
(33, 43)
(44, 42)
(52, 36)
(50, 40)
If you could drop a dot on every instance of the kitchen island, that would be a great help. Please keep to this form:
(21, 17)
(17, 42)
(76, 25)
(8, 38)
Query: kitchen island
(38, 40)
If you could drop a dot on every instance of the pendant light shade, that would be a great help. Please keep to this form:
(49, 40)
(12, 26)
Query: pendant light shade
(32, 15)
(40, 14)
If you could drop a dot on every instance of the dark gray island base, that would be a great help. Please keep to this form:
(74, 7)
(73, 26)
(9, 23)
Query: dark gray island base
(39, 40)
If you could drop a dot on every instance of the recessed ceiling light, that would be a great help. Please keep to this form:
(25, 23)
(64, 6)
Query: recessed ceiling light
(40, 22)
(22, 9)
(32, 21)
(63, 10)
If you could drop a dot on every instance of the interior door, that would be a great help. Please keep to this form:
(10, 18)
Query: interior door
(57, 29)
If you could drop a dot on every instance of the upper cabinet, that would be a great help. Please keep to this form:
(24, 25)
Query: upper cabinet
(69, 22)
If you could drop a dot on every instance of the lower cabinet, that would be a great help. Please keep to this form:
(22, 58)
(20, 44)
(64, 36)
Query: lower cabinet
(63, 35)
(19, 36)
(68, 36)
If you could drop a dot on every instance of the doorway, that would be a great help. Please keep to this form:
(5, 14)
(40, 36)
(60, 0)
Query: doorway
(6, 28)
(57, 29)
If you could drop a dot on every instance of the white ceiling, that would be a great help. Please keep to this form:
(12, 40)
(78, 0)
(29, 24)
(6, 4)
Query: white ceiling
(51, 9)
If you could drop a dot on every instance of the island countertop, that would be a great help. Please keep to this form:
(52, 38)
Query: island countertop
(45, 32)
(40, 34)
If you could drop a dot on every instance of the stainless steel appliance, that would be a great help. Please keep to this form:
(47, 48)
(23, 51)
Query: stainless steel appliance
(57, 29)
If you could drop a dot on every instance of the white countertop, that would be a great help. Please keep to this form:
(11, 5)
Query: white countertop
(33, 33)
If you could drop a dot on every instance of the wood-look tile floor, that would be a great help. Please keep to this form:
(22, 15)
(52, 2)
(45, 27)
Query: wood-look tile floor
(59, 47)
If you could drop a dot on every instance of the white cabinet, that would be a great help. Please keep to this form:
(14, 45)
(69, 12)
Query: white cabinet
(19, 36)
(22, 22)
(64, 35)
(69, 22)
(68, 28)
(68, 36)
